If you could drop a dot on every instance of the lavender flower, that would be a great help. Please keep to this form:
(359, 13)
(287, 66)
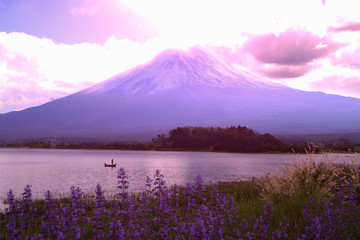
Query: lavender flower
(12, 226)
(123, 183)
(49, 226)
(26, 210)
(336, 219)
(148, 184)
(159, 183)
(99, 214)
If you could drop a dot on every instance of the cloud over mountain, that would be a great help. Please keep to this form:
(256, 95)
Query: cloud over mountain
(289, 54)
(349, 26)
(33, 70)
(293, 47)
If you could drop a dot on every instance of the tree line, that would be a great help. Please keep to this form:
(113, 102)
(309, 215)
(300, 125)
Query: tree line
(217, 139)
(230, 139)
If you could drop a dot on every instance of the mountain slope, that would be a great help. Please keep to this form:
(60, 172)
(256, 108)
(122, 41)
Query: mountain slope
(179, 88)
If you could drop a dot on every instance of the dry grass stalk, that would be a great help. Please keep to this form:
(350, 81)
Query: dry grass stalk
(306, 175)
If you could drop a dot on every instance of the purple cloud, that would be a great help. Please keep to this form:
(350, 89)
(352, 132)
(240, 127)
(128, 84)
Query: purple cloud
(23, 85)
(293, 47)
(349, 58)
(290, 54)
(338, 84)
(285, 71)
(350, 26)
(25, 93)
(16, 61)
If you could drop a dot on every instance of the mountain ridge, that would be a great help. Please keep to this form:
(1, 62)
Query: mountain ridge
(183, 88)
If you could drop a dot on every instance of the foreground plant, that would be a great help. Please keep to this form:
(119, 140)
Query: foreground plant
(305, 176)
(195, 211)
(338, 218)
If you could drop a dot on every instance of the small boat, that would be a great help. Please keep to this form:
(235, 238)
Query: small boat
(110, 165)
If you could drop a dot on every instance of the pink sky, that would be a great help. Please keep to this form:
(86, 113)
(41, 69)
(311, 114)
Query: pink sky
(50, 48)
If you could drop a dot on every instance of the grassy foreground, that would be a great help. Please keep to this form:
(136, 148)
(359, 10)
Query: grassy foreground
(307, 200)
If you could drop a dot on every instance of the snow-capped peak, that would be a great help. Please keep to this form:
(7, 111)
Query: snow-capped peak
(174, 68)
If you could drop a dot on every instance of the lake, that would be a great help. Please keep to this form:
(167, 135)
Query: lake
(58, 169)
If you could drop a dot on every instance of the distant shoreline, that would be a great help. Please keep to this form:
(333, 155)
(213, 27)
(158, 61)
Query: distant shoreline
(173, 150)
(131, 149)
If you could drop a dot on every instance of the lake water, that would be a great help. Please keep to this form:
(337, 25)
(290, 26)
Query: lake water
(58, 169)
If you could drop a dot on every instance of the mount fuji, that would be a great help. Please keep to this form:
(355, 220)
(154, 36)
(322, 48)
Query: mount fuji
(191, 87)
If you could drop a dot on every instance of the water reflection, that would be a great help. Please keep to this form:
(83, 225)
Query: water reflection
(57, 170)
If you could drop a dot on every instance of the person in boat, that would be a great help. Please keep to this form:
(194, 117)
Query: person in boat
(112, 161)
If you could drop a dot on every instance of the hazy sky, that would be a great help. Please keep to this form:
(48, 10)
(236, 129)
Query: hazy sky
(51, 48)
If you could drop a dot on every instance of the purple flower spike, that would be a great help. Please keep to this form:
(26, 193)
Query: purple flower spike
(159, 183)
(123, 184)
(13, 232)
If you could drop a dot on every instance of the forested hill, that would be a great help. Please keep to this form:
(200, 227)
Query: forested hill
(231, 139)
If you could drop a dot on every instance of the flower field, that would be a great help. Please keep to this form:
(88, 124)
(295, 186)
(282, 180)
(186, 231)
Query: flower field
(309, 200)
